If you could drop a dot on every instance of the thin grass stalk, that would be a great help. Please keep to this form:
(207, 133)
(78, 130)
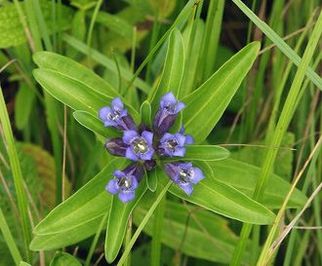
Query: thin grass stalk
(95, 240)
(143, 223)
(276, 139)
(180, 20)
(156, 243)
(155, 34)
(22, 200)
(280, 43)
(9, 239)
(211, 39)
(91, 26)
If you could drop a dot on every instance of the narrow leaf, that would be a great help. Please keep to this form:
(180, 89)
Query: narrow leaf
(88, 203)
(117, 222)
(223, 199)
(173, 69)
(205, 153)
(206, 105)
(243, 176)
(63, 259)
(94, 124)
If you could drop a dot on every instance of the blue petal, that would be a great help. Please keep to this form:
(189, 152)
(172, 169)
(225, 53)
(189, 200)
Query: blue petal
(134, 183)
(181, 139)
(198, 175)
(118, 173)
(166, 137)
(148, 136)
(189, 139)
(187, 188)
(180, 151)
(148, 155)
(180, 106)
(117, 104)
(112, 187)
(131, 155)
(110, 123)
(126, 196)
(104, 112)
(129, 135)
(168, 98)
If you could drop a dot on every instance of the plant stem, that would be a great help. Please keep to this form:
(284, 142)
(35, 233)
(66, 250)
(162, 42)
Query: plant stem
(275, 141)
(17, 175)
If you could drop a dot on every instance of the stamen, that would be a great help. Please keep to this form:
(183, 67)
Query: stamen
(140, 145)
(185, 175)
(124, 183)
(172, 144)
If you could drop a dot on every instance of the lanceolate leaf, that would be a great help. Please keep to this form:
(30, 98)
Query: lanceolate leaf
(117, 222)
(172, 73)
(74, 70)
(223, 199)
(145, 112)
(88, 203)
(203, 153)
(74, 84)
(206, 105)
(242, 176)
(63, 258)
(195, 231)
(95, 125)
(68, 237)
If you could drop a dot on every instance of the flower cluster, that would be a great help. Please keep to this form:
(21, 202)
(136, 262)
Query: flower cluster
(144, 146)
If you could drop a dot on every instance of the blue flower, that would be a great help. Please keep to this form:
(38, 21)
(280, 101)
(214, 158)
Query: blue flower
(167, 113)
(116, 146)
(174, 144)
(184, 175)
(125, 182)
(139, 146)
(116, 116)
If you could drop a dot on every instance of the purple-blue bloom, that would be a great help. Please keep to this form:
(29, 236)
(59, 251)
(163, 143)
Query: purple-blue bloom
(116, 116)
(172, 145)
(167, 113)
(184, 175)
(125, 182)
(116, 146)
(139, 146)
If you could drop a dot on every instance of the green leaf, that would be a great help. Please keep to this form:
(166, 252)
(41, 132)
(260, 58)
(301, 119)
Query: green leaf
(73, 84)
(205, 106)
(24, 103)
(95, 125)
(105, 61)
(63, 259)
(184, 226)
(152, 180)
(145, 112)
(172, 73)
(74, 70)
(243, 177)
(88, 203)
(223, 199)
(205, 153)
(117, 222)
(68, 237)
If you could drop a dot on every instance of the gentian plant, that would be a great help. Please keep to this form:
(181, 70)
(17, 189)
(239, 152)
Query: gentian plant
(147, 147)
(155, 163)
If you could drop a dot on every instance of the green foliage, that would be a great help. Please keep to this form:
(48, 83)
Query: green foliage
(12, 32)
(63, 258)
(206, 105)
